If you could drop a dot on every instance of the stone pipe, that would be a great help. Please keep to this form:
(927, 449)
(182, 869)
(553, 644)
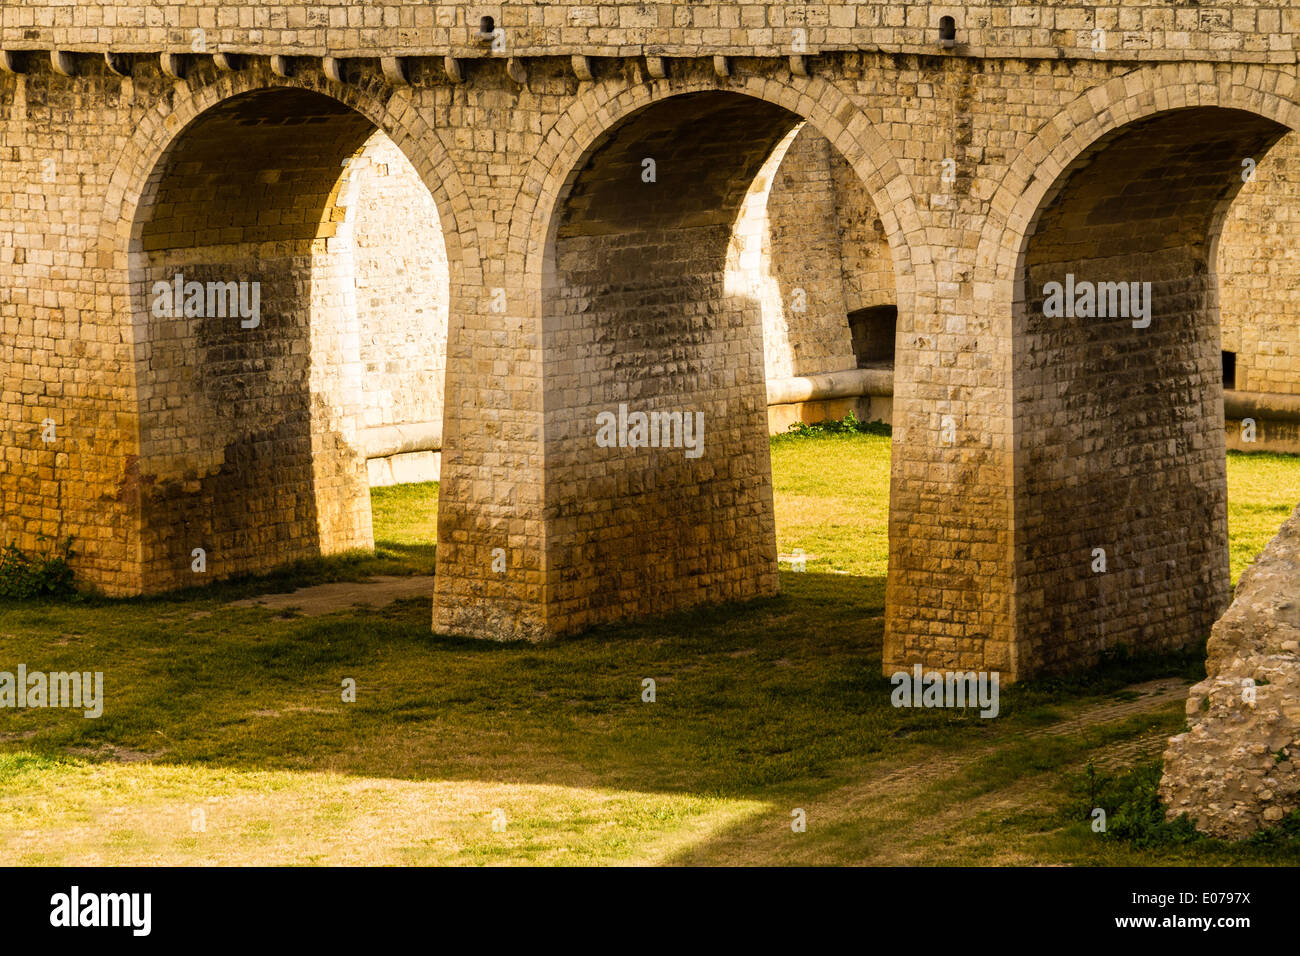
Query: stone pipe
(848, 383)
(384, 441)
(1265, 405)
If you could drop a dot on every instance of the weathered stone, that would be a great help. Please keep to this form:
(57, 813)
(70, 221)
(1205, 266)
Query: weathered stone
(1238, 753)
(575, 285)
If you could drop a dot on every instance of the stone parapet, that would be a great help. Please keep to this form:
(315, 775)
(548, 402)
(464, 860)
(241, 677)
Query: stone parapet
(1230, 30)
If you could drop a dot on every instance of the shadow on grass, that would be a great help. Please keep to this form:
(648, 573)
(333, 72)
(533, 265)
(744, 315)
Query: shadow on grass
(405, 522)
(773, 699)
(746, 696)
(388, 558)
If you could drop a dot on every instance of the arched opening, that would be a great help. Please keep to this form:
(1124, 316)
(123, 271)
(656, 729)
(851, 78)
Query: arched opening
(1260, 317)
(401, 281)
(1260, 299)
(810, 247)
(1120, 488)
(874, 330)
(251, 368)
(659, 488)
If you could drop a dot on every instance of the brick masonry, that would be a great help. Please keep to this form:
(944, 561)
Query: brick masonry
(1228, 30)
(401, 288)
(1257, 263)
(248, 441)
(1092, 431)
(569, 291)
(818, 253)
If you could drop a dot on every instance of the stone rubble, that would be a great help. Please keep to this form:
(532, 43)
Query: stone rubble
(1234, 770)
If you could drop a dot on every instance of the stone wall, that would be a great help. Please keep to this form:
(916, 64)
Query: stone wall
(809, 248)
(401, 287)
(866, 263)
(1241, 30)
(539, 337)
(1106, 460)
(249, 426)
(401, 280)
(802, 252)
(1234, 770)
(822, 270)
(641, 319)
(62, 360)
(1258, 265)
(827, 249)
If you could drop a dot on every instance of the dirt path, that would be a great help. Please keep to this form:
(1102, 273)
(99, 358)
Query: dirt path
(930, 809)
(1149, 696)
(378, 591)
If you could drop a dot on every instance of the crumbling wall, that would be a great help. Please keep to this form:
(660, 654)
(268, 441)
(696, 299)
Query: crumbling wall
(1234, 770)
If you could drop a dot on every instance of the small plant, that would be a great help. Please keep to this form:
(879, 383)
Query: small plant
(25, 576)
(1093, 783)
(1286, 832)
(848, 425)
(1134, 812)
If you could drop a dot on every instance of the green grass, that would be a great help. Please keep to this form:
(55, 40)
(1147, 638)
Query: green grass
(761, 708)
(1263, 490)
(832, 501)
(1137, 832)
(405, 519)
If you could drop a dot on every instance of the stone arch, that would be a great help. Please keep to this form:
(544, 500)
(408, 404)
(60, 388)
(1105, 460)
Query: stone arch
(158, 131)
(1125, 99)
(602, 104)
(1117, 415)
(689, 534)
(209, 97)
(399, 260)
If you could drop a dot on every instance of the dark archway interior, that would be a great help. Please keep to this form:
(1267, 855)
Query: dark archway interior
(874, 330)
(242, 451)
(637, 313)
(1119, 429)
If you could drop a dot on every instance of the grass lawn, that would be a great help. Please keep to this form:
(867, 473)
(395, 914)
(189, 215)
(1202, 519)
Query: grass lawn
(1263, 490)
(225, 738)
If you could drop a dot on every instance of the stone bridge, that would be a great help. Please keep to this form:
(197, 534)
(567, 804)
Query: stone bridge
(588, 164)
